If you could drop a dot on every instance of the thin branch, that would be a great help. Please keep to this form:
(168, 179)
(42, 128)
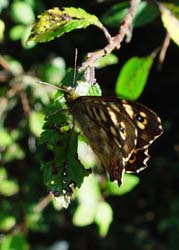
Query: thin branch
(4, 64)
(115, 41)
(163, 51)
(43, 203)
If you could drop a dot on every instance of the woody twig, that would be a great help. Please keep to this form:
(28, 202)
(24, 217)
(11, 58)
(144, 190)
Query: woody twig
(115, 41)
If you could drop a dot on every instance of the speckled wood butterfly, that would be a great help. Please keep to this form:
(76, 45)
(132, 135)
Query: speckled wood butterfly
(118, 131)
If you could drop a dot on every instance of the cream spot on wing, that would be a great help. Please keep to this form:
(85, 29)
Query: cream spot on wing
(88, 109)
(142, 114)
(114, 107)
(103, 102)
(102, 115)
(113, 131)
(117, 142)
(128, 109)
(141, 125)
(113, 116)
(94, 112)
(122, 131)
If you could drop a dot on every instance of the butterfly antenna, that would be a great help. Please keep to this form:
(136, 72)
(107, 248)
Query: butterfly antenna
(75, 68)
(54, 86)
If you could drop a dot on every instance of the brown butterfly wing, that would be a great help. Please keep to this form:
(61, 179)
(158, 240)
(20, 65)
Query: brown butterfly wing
(137, 161)
(149, 128)
(110, 133)
(118, 131)
(147, 122)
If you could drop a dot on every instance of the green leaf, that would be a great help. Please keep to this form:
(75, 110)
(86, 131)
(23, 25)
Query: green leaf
(115, 14)
(6, 222)
(6, 139)
(2, 29)
(65, 172)
(14, 66)
(53, 71)
(91, 209)
(22, 12)
(14, 151)
(56, 22)
(106, 61)
(14, 242)
(8, 188)
(103, 217)
(36, 121)
(133, 77)
(129, 182)
(170, 19)
(85, 154)
(87, 89)
(3, 4)
(146, 12)
(88, 196)
(3, 174)
(16, 32)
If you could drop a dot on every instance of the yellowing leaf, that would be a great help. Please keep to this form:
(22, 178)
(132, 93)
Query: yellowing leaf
(56, 22)
(170, 19)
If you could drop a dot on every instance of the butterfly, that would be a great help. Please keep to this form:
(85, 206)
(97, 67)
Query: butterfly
(118, 131)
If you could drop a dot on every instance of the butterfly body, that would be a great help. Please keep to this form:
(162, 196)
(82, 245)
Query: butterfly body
(118, 131)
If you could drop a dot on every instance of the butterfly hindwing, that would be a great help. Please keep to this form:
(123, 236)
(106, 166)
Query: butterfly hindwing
(147, 122)
(137, 161)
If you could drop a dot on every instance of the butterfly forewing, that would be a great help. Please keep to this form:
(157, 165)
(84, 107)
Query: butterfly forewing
(118, 131)
(106, 131)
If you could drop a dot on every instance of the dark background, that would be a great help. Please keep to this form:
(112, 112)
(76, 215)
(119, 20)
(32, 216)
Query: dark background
(147, 218)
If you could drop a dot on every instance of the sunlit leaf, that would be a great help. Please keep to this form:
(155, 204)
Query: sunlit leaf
(53, 71)
(85, 88)
(88, 196)
(2, 29)
(129, 182)
(3, 174)
(14, 151)
(106, 61)
(56, 22)
(6, 139)
(22, 12)
(8, 188)
(3, 4)
(34, 219)
(170, 19)
(85, 154)
(133, 77)
(14, 65)
(103, 217)
(36, 121)
(14, 242)
(16, 32)
(6, 222)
